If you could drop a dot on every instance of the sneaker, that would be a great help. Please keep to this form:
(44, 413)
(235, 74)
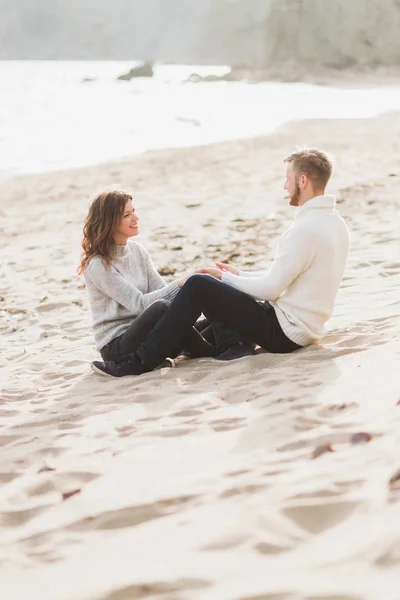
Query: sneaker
(239, 350)
(128, 365)
(168, 362)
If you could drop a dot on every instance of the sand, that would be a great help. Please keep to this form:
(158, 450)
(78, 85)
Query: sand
(237, 481)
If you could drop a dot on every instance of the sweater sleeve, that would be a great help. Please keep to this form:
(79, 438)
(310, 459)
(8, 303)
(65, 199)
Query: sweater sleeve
(251, 273)
(113, 284)
(155, 281)
(295, 252)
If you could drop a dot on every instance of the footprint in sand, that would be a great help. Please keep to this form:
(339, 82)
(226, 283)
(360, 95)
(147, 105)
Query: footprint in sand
(316, 518)
(16, 518)
(332, 598)
(132, 516)
(269, 597)
(152, 589)
(228, 424)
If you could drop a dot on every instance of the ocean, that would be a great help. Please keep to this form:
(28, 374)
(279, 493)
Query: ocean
(64, 114)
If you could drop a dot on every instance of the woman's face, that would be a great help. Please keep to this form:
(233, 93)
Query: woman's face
(128, 225)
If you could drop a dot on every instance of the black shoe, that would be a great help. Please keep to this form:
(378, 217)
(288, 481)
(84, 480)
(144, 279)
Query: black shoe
(239, 350)
(128, 365)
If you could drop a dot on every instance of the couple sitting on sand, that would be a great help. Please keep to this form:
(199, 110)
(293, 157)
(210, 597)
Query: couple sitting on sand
(140, 321)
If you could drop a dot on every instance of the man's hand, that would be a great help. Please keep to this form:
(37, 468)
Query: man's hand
(213, 271)
(224, 267)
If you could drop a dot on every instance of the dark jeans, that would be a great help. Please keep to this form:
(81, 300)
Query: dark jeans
(214, 338)
(218, 334)
(136, 333)
(219, 302)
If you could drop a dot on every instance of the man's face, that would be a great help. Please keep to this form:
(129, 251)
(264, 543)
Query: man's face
(292, 186)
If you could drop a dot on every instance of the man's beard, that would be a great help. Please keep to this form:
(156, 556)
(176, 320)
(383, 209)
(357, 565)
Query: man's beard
(294, 198)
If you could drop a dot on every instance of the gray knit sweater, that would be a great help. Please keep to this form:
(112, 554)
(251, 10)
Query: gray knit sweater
(121, 292)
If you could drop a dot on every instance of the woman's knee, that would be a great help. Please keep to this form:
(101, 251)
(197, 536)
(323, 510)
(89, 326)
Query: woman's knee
(159, 307)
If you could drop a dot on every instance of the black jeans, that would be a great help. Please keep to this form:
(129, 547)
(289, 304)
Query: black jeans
(136, 333)
(218, 301)
(214, 338)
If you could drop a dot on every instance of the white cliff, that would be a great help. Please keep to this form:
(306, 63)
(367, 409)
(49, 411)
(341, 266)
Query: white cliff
(249, 33)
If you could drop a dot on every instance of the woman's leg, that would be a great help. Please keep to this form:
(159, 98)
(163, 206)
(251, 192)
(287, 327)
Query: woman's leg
(218, 301)
(136, 333)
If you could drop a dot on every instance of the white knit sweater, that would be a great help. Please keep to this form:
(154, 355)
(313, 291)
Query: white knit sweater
(304, 278)
(121, 292)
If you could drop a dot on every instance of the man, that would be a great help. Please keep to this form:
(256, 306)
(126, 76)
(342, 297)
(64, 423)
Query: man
(283, 309)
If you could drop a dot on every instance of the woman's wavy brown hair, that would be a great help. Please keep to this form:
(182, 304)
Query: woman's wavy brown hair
(101, 222)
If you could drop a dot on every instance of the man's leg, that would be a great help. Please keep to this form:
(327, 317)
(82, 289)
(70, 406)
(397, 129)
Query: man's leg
(219, 335)
(220, 302)
(227, 338)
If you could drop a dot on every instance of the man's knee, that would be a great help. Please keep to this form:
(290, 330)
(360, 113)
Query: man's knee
(200, 281)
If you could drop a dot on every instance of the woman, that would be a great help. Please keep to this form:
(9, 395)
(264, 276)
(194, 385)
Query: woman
(127, 295)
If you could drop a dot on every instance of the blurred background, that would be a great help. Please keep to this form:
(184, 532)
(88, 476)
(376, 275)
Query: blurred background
(251, 33)
(214, 70)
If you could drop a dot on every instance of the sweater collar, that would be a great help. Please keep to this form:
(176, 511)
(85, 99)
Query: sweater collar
(327, 201)
(119, 251)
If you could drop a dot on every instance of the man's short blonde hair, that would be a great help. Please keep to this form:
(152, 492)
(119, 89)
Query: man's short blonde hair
(312, 162)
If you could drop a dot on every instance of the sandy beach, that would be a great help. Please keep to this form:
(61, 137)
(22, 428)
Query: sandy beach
(276, 477)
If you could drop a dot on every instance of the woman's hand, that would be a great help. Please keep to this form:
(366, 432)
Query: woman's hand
(224, 267)
(213, 271)
(182, 282)
(216, 272)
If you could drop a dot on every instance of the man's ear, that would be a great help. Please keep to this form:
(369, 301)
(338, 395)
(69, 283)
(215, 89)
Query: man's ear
(303, 180)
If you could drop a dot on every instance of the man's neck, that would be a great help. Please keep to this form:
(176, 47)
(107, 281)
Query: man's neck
(307, 196)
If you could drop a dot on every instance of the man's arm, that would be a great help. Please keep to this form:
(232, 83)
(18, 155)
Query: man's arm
(295, 252)
(231, 269)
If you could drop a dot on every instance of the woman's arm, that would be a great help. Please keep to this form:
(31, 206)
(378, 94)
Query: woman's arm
(113, 284)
